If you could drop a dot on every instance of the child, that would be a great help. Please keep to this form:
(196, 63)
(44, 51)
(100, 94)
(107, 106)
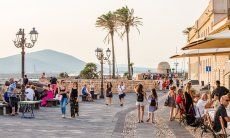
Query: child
(180, 104)
(153, 105)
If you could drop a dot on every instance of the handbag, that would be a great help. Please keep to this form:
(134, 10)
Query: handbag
(166, 101)
(59, 97)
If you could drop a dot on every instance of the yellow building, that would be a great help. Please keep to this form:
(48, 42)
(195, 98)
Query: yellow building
(214, 19)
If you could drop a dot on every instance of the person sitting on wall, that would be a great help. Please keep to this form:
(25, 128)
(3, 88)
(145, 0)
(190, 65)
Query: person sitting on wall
(86, 93)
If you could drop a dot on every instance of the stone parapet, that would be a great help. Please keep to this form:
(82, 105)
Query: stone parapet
(129, 84)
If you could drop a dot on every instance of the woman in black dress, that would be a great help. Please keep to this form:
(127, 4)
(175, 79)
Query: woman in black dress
(188, 98)
(189, 108)
(109, 93)
(74, 107)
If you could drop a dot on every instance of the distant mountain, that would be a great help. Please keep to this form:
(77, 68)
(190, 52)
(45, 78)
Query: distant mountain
(53, 62)
(122, 68)
(48, 61)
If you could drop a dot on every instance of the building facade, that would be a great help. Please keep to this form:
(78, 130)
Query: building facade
(213, 20)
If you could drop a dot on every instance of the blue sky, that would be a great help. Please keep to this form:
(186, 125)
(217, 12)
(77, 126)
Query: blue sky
(69, 26)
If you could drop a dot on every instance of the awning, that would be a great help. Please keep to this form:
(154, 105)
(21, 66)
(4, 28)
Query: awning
(203, 52)
(219, 40)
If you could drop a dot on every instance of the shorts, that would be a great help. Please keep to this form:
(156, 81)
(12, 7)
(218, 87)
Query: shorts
(121, 96)
(140, 104)
(13, 101)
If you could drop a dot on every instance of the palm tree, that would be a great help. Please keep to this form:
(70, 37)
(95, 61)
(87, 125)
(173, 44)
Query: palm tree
(126, 19)
(109, 22)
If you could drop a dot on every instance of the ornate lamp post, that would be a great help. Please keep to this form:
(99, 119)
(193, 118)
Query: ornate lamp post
(109, 63)
(20, 42)
(102, 58)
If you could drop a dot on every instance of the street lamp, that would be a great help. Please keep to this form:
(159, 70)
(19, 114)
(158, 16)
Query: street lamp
(20, 42)
(101, 57)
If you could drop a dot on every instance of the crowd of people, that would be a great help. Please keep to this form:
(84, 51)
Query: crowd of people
(11, 93)
(193, 107)
(182, 101)
(65, 92)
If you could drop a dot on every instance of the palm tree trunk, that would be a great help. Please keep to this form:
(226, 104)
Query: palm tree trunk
(113, 54)
(128, 53)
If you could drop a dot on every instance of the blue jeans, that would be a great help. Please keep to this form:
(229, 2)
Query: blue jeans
(63, 105)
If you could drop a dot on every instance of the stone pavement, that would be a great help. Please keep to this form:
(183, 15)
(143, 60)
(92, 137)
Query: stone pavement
(96, 120)
(163, 127)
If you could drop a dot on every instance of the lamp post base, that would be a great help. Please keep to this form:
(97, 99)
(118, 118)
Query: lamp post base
(102, 96)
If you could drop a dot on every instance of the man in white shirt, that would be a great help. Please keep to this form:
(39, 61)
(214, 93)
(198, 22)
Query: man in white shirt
(121, 93)
(201, 105)
(29, 93)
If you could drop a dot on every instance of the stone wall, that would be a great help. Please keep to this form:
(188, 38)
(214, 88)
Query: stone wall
(129, 84)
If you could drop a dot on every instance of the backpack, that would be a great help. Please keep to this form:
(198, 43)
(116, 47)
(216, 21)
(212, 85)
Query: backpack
(140, 97)
(153, 102)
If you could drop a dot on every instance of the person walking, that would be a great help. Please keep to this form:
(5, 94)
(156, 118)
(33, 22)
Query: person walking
(153, 105)
(141, 95)
(172, 101)
(74, 106)
(121, 93)
(109, 93)
(62, 90)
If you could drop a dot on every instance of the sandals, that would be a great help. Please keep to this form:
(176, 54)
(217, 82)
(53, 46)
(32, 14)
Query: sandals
(148, 120)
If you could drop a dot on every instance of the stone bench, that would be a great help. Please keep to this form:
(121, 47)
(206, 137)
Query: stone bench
(52, 102)
(95, 97)
(83, 97)
(4, 109)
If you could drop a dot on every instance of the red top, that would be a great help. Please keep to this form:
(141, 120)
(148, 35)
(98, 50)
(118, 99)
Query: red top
(179, 99)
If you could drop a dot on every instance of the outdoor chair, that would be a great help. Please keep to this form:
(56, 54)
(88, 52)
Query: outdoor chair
(224, 133)
(200, 123)
(210, 126)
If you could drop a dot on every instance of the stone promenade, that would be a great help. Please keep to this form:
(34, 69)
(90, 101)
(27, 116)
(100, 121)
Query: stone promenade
(96, 120)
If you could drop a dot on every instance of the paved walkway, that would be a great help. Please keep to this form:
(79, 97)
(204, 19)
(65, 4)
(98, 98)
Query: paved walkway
(96, 120)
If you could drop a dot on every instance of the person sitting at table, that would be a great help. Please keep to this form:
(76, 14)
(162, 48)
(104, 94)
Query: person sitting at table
(221, 111)
(220, 90)
(202, 104)
(29, 92)
(216, 102)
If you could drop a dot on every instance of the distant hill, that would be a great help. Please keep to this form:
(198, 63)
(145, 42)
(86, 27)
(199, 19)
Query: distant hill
(42, 61)
(53, 62)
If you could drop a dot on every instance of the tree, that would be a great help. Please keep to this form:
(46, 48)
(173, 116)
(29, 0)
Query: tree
(89, 72)
(63, 75)
(109, 22)
(131, 67)
(126, 19)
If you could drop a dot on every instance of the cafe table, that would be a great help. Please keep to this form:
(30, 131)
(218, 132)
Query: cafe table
(27, 107)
